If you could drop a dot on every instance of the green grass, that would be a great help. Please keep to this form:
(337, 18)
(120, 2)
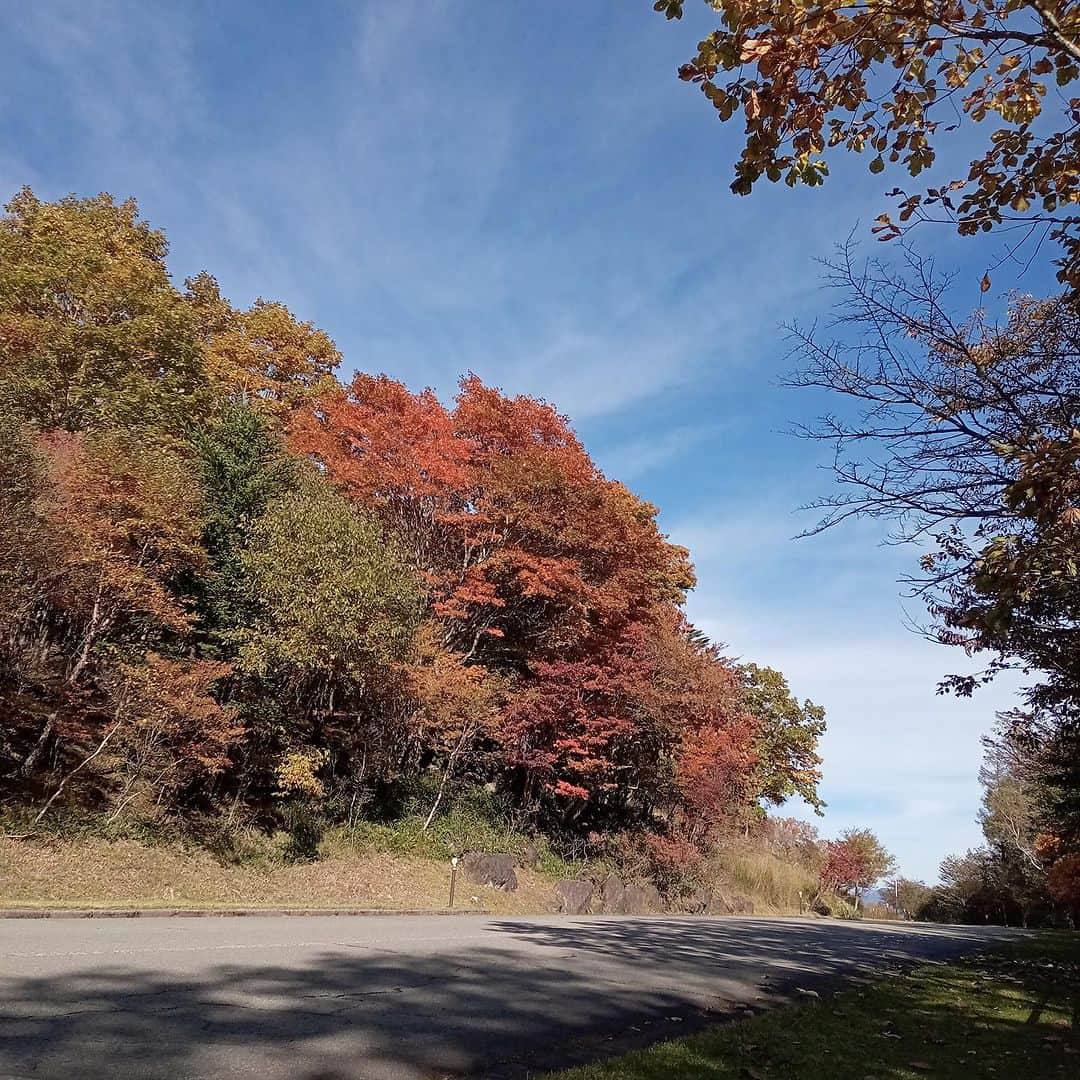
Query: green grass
(1010, 1014)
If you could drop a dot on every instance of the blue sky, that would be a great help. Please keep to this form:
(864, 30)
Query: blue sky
(527, 191)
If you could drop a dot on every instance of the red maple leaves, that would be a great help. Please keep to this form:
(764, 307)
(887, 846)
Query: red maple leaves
(549, 573)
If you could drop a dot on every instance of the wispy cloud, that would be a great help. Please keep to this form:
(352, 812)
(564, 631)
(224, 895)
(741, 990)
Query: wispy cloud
(646, 453)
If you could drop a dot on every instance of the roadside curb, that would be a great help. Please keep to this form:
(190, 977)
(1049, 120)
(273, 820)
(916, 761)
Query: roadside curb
(207, 913)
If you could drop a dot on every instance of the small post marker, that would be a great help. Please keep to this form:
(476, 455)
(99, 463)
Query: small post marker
(453, 878)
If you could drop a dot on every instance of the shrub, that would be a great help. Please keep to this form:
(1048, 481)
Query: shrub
(304, 832)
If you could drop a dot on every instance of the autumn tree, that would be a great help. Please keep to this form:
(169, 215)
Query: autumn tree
(458, 706)
(102, 531)
(1064, 881)
(264, 357)
(905, 897)
(121, 524)
(963, 434)
(520, 537)
(169, 733)
(855, 862)
(574, 733)
(892, 81)
(92, 331)
(226, 575)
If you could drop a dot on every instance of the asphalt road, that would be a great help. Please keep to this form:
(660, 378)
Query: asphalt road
(384, 998)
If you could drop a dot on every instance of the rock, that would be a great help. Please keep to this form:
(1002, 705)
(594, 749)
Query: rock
(574, 895)
(485, 869)
(642, 900)
(613, 895)
(530, 857)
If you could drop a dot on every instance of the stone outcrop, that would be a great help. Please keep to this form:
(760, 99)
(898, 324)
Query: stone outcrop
(643, 900)
(575, 895)
(613, 895)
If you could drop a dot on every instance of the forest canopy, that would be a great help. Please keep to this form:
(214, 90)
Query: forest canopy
(230, 576)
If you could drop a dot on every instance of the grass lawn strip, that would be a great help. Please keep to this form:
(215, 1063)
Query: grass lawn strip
(1012, 1013)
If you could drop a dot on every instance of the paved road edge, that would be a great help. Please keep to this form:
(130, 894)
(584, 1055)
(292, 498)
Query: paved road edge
(196, 913)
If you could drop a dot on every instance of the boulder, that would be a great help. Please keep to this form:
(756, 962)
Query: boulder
(490, 869)
(613, 895)
(642, 900)
(574, 896)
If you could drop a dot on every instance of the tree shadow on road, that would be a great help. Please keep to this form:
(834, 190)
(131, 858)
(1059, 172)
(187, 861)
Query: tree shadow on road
(537, 994)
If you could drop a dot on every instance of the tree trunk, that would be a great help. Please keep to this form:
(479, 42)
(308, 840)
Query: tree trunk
(465, 736)
(78, 768)
(39, 748)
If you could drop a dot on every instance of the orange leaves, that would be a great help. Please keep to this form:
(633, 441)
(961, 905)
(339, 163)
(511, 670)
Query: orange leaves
(121, 522)
(1063, 880)
(639, 718)
(810, 73)
(539, 565)
(380, 442)
(509, 520)
(754, 49)
(454, 700)
(171, 715)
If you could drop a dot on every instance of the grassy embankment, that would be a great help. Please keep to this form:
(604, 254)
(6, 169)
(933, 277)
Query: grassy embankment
(87, 861)
(1009, 1014)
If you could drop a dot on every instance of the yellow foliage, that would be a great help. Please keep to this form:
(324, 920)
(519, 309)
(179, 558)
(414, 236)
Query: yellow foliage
(297, 773)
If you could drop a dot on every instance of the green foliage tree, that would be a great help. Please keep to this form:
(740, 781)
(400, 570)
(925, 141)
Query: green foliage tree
(242, 466)
(335, 597)
(787, 738)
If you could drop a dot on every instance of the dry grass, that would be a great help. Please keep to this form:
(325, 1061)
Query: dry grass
(91, 872)
(772, 882)
(369, 871)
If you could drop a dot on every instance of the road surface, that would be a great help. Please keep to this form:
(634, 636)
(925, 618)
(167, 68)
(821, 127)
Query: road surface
(396, 998)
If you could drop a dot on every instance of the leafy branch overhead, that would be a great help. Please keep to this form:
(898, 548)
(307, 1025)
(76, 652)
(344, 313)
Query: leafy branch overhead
(892, 80)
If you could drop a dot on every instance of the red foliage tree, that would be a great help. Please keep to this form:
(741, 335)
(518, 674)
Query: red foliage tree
(855, 862)
(524, 543)
(541, 568)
